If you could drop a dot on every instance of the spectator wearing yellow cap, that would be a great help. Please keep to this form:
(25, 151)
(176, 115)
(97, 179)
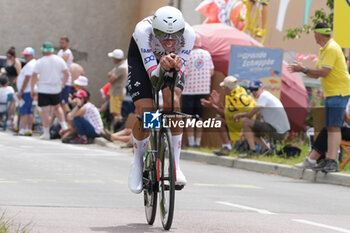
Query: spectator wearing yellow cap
(332, 70)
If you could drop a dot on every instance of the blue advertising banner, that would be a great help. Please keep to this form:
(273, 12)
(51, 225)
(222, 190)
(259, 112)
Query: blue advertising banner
(252, 63)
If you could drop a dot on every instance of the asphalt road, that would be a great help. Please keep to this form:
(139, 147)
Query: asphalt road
(63, 188)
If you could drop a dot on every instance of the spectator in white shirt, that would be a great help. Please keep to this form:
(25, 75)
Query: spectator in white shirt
(50, 68)
(25, 110)
(275, 121)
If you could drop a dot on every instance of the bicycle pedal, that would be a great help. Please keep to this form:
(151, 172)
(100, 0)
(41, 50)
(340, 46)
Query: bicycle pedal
(179, 187)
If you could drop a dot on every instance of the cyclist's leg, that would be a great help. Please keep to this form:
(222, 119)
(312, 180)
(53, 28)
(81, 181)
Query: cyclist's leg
(140, 139)
(176, 132)
(188, 108)
(140, 89)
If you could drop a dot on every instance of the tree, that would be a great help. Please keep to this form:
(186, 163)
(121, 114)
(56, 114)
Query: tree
(319, 16)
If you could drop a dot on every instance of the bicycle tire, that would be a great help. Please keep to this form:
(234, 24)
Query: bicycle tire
(150, 193)
(167, 179)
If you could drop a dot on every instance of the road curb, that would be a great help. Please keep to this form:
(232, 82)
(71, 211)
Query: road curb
(268, 168)
(252, 165)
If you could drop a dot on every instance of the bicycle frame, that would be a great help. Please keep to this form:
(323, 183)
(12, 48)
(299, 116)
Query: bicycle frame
(159, 173)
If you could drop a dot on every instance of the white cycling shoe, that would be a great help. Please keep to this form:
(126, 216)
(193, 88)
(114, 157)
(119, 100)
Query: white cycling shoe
(135, 178)
(180, 178)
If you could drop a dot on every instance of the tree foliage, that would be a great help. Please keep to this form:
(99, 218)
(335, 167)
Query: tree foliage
(319, 16)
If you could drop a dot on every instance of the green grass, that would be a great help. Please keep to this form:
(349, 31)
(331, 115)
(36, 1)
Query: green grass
(275, 159)
(8, 225)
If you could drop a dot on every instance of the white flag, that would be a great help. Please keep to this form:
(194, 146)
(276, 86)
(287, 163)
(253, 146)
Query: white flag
(281, 14)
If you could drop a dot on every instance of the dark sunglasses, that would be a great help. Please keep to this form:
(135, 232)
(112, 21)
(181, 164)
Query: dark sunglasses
(253, 89)
(168, 36)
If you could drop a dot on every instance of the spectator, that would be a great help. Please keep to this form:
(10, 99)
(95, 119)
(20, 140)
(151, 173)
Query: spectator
(117, 78)
(320, 147)
(23, 85)
(76, 70)
(275, 121)
(11, 70)
(107, 117)
(66, 135)
(13, 67)
(81, 82)
(5, 91)
(198, 72)
(66, 54)
(236, 100)
(332, 69)
(86, 119)
(50, 68)
(124, 135)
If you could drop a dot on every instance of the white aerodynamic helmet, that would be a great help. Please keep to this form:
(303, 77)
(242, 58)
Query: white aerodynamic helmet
(168, 20)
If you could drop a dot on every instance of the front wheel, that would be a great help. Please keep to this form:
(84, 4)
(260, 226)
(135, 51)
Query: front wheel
(167, 179)
(150, 185)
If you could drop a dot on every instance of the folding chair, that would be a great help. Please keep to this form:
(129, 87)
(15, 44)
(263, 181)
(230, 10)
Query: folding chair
(273, 142)
(345, 145)
(273, 147)
(4, 114)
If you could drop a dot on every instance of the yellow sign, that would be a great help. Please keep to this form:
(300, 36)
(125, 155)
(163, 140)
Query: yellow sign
(341, 23)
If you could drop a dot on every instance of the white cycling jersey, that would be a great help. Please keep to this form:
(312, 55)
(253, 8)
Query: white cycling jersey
(151, 49)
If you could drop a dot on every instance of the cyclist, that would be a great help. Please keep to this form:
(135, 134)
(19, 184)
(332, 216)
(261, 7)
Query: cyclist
(159, 43)
(264, 3)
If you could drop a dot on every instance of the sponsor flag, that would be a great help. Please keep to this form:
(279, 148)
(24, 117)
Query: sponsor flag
(281, 14)
(341, 23)
(306, 11)
(216, 11)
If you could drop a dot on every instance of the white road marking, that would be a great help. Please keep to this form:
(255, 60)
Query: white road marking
(8, 182)
(322, 225)
(120, 181)
(40, 180)
(260, 211)
(25, 147)
(228, 186)
(89, 181)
